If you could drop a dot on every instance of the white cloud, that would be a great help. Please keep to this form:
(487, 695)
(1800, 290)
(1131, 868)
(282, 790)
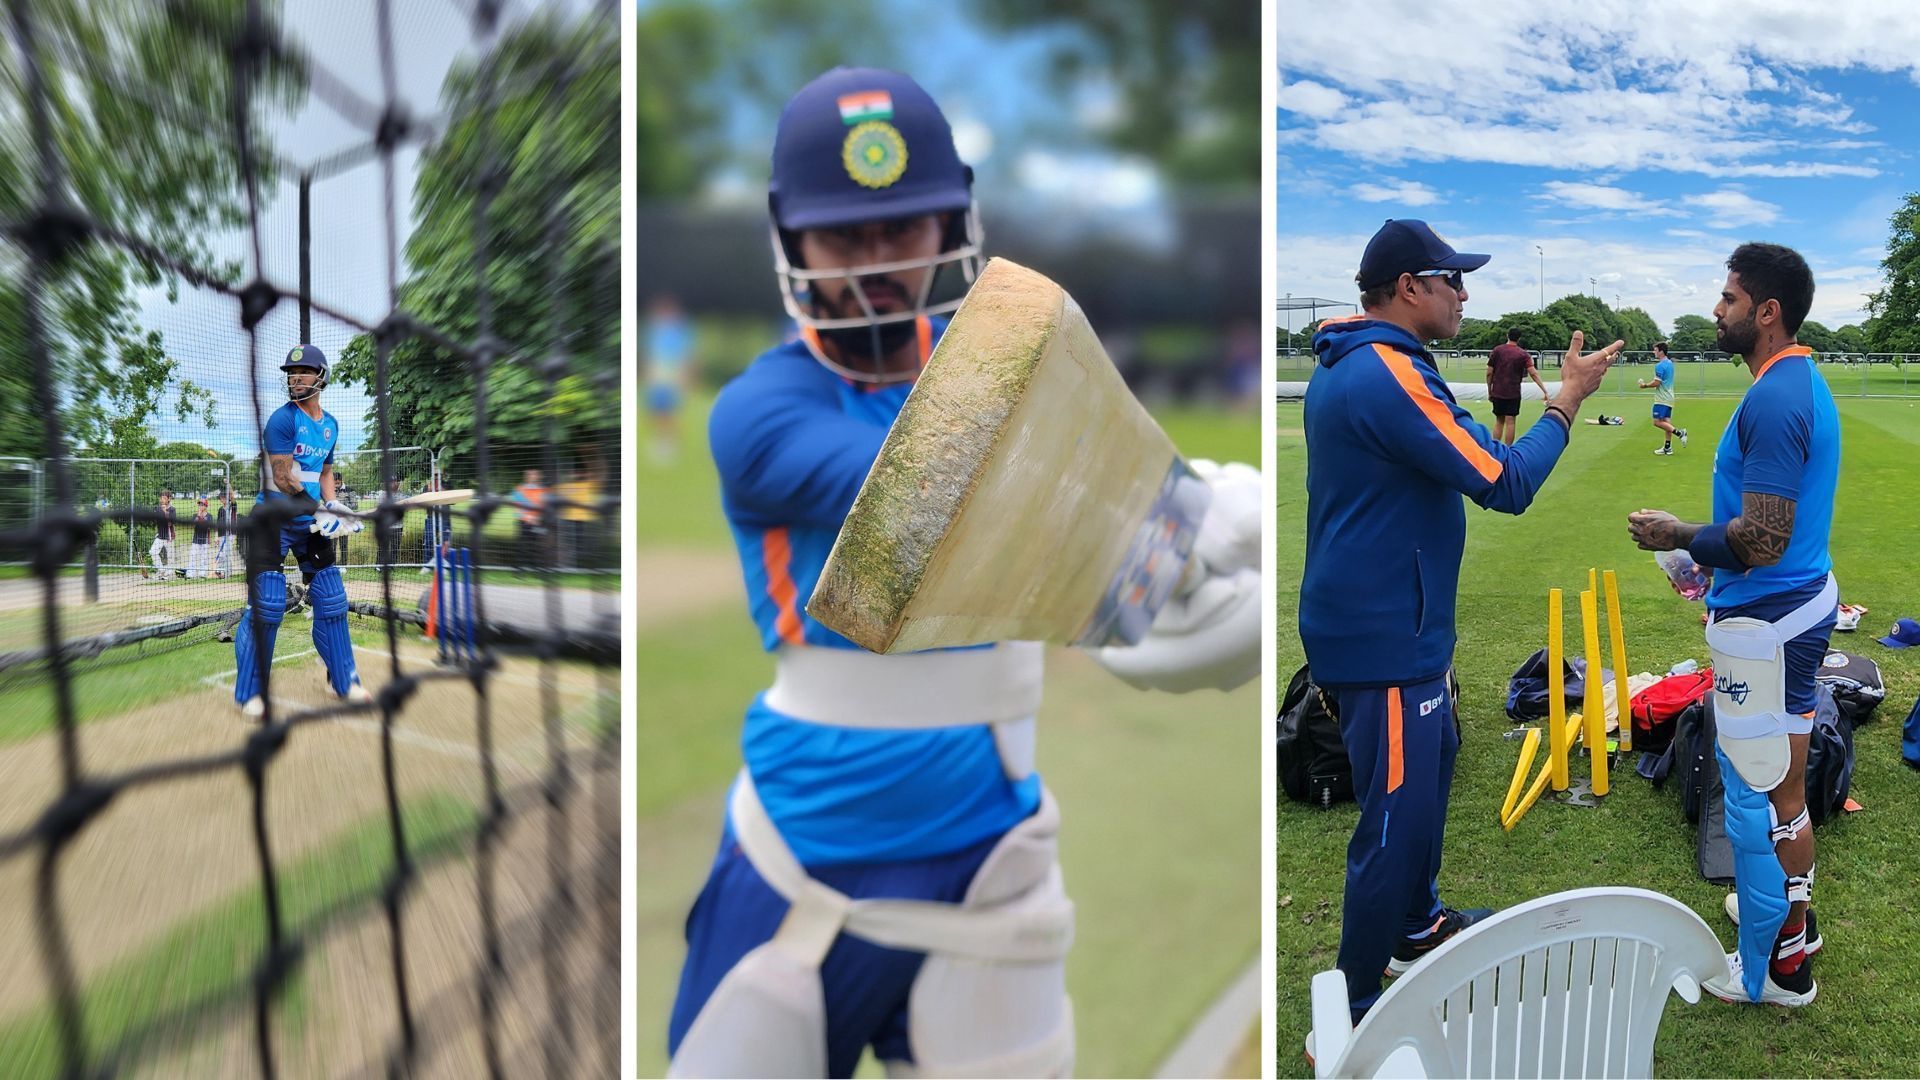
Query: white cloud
(1311, 99)
(1681, 276)
(1722, 88)
(1407, 193)
(1730, 208)
(1604, 197)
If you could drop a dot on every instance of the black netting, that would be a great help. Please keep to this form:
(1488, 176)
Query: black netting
(543, 993)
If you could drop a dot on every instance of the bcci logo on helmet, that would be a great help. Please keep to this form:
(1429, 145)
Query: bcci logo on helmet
(1738, 691)
(875, 154)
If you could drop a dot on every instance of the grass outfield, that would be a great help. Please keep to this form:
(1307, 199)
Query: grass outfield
(1159, 794)
(1862, 1023)
(1691, 378)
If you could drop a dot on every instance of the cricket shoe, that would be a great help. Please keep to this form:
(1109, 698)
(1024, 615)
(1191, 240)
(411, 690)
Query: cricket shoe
(1663, 451)
(1791, 991)
(255, 707)
(1813, 928)
(1410, 951)
(357, 694)
(1683, 436)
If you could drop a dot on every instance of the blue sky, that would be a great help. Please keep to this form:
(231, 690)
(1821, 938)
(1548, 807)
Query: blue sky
(1635, 144)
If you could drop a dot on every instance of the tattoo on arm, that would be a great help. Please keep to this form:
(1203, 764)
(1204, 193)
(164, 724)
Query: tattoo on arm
(1763, 530)
(283, 475)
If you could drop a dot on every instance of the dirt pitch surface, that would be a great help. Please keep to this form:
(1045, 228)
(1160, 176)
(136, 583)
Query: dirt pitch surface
(162, 853)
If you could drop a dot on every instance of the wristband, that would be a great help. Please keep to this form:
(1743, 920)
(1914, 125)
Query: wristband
(1709, 547)
(1565, 416)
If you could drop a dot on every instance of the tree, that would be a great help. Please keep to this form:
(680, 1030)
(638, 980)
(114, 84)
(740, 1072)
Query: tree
(1816, 337)
(1693, 334)
(1894, 325)
(558, 151)
(1637, 328)
(143, 131)
(1850, 339)
(1186, 72)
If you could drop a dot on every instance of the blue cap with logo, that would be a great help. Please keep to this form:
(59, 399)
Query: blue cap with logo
(305, 356)
(1905, 632)
(1408, 246)
(864, 144)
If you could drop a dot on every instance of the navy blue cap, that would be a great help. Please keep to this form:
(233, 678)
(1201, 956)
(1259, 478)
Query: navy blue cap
(1407, 246)
(305, 356)
(863, 144)
(1905, 632)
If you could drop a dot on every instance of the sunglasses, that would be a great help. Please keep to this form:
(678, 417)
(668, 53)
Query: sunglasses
(1454, 278)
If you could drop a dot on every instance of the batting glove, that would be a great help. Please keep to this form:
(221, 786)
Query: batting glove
(335, 519)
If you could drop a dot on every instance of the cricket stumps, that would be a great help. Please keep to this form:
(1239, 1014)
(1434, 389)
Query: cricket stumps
(1589, 725)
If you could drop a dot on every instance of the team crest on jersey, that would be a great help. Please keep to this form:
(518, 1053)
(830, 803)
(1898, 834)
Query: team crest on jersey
(875, 154)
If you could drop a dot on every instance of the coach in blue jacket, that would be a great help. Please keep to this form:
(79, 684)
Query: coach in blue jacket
(1389, 454)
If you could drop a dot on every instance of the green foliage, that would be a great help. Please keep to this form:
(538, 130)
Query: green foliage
(1185, 72)
(1895, 309)
(1693, 334)
(679, 49)
(558, 151)
(139, 103)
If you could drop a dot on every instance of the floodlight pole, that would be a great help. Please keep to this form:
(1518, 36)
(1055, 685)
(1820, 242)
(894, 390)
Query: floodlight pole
(1543, 277)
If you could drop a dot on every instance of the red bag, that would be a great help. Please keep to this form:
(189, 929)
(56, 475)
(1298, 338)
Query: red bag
(1657, 709)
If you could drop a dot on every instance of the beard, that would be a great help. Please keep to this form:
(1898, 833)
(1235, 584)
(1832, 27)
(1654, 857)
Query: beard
(1739, 337)
(874, 343)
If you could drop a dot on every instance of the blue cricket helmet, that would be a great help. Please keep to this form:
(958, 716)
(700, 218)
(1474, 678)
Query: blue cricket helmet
(863, 144)
(306, 358)
(860, 145)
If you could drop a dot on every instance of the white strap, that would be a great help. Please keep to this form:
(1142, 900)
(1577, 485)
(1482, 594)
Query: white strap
(945, 688)
(983, 933)
(1795, 622)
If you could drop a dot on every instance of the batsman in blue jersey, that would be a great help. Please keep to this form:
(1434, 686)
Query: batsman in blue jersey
(299, 441)
(1772, 606)
(886, 876)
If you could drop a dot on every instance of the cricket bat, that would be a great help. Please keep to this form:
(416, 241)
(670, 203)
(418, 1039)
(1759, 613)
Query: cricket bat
(437, 498)
(1023, 493)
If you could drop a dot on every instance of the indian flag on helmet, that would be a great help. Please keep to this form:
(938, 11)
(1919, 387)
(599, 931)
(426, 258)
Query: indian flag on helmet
(866, 105)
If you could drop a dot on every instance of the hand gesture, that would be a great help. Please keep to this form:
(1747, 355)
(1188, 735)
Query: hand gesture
(1580, 374)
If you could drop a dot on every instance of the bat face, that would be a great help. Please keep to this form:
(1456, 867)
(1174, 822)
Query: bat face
(1023, 494)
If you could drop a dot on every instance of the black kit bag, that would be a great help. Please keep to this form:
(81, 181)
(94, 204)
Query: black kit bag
(1311, 759)
(1855, 682)
(1691, 762)
(1309, 753)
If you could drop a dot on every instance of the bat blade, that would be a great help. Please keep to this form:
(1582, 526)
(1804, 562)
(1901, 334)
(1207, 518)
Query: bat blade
(1023, 493)
(437, 498)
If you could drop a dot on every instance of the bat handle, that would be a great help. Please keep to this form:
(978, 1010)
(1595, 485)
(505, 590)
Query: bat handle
(1191, 575)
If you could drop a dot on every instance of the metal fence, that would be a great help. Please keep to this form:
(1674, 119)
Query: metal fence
(1863, 375)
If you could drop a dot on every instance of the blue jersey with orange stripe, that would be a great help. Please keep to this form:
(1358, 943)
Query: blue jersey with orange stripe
(793, 442)
(1783, 439)
(1389, 454)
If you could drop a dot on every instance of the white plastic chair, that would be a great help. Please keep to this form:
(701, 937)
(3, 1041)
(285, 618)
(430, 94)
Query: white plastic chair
(1571, 984)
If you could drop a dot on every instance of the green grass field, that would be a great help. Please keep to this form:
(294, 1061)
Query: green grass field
(1861, 1025)
(1691, 378)
(1159, 794)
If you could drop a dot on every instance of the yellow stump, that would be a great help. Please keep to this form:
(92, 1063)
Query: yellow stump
(1527, 750)
(1539, 785)
(1556, 694)
(1593, 705)
(1618, 636)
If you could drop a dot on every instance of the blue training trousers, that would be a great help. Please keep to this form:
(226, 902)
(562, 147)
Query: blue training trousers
(1402, 742)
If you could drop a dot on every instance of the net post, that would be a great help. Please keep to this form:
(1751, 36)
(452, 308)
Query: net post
(93, 565)
(306, 255)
